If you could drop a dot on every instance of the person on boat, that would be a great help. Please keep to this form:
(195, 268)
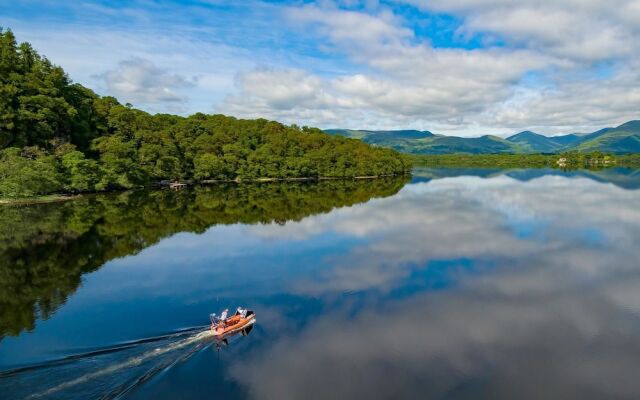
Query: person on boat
(223, 316)
(242, 312)
(219, 321)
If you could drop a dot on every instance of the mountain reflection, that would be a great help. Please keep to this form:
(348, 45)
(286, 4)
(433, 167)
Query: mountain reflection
(541, 301)
(626, 178)
(45, 248)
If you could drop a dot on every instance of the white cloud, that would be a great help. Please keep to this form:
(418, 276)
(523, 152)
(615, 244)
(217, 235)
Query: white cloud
(581, 105)
(552, 66)
(405, 82)
(356, 28)
(140, 81)
(87, 51)
(276, 89)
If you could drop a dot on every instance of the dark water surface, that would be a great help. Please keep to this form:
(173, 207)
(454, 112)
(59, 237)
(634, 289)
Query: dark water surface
(461, 284)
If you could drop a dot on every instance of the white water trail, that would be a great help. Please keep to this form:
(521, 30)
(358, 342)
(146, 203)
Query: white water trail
(126, 364)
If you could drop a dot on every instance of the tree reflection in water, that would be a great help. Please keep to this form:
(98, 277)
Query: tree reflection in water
(45, 248)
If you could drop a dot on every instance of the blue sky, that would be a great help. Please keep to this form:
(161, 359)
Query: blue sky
(455, 67)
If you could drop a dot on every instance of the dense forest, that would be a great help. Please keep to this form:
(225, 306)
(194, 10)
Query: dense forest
(58, 136)
(50, 246)
(568, 160)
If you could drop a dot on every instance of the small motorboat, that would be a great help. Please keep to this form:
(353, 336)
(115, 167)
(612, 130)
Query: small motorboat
(238, 322)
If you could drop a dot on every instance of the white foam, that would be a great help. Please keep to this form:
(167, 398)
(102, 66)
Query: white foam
(135, 361)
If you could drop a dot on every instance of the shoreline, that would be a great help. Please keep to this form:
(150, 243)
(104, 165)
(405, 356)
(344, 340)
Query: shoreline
(54, 198)
(60, 197)
(309, 179)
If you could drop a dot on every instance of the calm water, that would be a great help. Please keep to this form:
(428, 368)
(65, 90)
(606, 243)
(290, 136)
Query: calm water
(457, 284)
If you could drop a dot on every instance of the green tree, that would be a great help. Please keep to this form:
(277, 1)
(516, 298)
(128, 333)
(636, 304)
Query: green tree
(24, 176)
(209, 166)
(97, 143)
(81, 175)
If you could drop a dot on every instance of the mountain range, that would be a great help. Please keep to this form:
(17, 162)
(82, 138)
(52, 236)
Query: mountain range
(621, 139)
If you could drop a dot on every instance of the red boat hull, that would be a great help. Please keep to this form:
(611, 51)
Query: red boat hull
(233, 325)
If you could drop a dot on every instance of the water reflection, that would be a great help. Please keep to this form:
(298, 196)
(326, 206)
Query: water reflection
(627, 178)
(45, 248)
(541, 302)
(504, 286)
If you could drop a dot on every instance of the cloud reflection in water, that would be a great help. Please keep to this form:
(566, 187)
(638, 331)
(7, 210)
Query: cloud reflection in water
(555, 315)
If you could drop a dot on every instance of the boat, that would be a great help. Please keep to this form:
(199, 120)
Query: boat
(239, 322)
(176, 185)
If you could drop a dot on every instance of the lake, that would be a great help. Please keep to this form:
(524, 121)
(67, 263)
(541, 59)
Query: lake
(451, 284)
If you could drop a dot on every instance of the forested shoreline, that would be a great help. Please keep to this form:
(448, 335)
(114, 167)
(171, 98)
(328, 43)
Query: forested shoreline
(569, 160)
(60, 137)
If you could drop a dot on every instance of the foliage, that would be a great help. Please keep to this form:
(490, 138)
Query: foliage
(85, 142)
(36, 98)
(629, 160)
(22, 175)
(82, 175)
(49, 246)
(569, 160)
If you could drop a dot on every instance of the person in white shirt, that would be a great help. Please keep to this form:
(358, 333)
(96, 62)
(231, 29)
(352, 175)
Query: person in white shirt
(223, 316)
(242, 311)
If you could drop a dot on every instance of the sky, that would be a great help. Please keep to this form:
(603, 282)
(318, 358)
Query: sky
(457, 67)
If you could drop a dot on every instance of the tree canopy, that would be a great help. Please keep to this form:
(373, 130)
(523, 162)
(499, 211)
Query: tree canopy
(69, 139)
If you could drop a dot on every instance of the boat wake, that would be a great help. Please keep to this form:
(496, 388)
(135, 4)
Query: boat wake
(106, 373)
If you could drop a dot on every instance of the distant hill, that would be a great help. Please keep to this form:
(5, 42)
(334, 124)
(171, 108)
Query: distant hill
(531, 142)
(425, 142)
(622, 139)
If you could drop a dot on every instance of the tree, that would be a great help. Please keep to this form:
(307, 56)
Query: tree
(81, 175)
(209, 166)
(83, 142)
(23, 177)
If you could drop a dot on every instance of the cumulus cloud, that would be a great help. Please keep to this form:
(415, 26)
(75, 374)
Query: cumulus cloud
(98, 39)
(272, 89)
(580, 105)
(140, 81)
(353, 27)
(406, 82)
(418, 82)
(552, 66)
(573, 29)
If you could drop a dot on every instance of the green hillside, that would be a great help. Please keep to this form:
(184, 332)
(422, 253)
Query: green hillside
(531, 142)
(623, 139)
(425, 142)
(57, 136)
